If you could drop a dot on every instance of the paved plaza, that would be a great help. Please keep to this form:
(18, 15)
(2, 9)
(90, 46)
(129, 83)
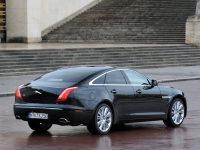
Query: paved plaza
(16, 135)
(9, 84)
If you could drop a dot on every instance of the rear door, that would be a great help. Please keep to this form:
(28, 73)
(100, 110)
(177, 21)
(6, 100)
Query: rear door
(147, 97)
(121, 94)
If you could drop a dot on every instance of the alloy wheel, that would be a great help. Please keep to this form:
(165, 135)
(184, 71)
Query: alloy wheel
(177, 112)
(104, 118)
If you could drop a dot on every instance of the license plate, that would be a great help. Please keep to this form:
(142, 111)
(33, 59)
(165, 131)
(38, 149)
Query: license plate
(37, 115)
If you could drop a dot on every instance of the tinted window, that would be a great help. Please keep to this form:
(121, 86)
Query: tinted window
(136, 78)
(65, 75)
(115, 77)
(100, 80)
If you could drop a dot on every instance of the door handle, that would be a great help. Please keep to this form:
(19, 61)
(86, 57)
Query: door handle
(139, 91)
(113, 91)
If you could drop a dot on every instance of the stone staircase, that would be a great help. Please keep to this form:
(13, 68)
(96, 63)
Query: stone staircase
(128, 21)
(22, 62)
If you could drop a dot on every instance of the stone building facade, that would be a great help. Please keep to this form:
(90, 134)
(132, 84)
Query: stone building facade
(28, 20)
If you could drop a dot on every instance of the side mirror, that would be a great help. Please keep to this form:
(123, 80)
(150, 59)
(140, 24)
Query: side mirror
(154, 83)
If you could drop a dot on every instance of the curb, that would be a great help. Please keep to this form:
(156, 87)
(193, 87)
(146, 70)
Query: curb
(4, 94)
(178, 79)
(159, 81)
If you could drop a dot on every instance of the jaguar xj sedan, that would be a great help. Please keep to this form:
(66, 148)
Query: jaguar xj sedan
(97, 97)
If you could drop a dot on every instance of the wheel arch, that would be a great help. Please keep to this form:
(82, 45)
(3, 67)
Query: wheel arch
(105, 101)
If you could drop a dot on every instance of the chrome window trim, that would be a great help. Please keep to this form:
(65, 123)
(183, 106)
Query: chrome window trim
(91, 82)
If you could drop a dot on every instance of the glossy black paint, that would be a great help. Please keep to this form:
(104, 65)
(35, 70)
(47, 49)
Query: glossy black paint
(147, 102)
(129, 102)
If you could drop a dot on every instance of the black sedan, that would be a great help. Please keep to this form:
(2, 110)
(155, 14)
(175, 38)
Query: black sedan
(97, 97)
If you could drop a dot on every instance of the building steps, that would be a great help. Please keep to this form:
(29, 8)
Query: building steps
(22, 62)
(128, 21)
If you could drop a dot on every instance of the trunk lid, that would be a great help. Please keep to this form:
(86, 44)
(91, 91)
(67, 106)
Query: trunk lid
(43, 92)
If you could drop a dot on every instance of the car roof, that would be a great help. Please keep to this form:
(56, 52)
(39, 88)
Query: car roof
(94, 68)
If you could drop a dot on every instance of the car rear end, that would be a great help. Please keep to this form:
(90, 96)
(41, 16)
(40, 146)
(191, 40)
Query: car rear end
(50, 98)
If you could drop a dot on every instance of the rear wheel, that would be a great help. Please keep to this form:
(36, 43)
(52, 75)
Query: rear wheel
(102, 120)
(39, 126)
(176, 113)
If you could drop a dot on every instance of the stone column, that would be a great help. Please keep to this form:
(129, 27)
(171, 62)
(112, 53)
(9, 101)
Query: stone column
(193, 27)
(23, 21)
(33, 21)
(198, 8)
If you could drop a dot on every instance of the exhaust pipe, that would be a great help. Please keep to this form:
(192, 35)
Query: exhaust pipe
(17, 117)
(63, 120)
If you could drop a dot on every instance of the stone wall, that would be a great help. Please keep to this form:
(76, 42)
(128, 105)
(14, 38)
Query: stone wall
(193, 31)
(54, 12)
(192, 35)
(28, 19)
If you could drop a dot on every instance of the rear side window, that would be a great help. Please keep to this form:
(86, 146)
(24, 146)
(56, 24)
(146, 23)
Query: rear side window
(65, 75)
(115, 77)
(100, 80)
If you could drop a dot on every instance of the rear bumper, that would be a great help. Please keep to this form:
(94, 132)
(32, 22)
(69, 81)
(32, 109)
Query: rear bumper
(55, 113)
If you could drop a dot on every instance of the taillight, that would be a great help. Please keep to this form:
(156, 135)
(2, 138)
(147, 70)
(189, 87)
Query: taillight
(18, 94)
(64, 95)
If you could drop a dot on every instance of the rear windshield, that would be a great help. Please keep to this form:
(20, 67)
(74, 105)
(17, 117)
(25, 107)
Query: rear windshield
(67, 75)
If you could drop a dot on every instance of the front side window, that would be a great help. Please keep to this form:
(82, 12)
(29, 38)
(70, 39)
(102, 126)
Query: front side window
(115, 77)
(136, 78)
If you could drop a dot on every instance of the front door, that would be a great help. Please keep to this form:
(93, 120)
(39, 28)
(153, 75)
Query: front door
(147, 97)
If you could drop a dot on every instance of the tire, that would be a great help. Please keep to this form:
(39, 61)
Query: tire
(176, 113)
(101, 122)
(42, 127)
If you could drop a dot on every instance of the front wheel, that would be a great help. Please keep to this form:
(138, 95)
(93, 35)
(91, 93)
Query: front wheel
(102, 120)
(176, 113)
(39, 126)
